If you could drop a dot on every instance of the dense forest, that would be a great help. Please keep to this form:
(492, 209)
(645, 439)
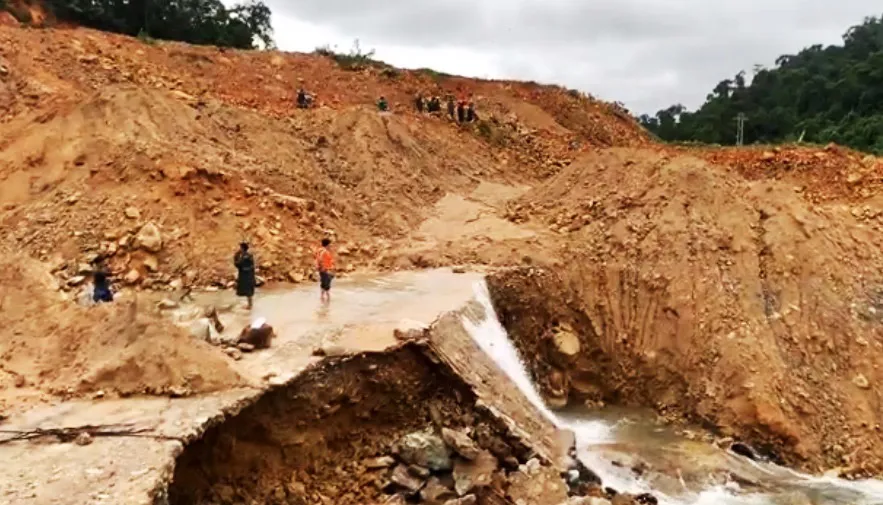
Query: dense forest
(209, 22)
(820, 95)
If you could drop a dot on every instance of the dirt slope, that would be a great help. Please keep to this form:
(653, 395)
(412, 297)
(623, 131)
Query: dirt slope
(51, 346)
(206, 145)
(693, 290)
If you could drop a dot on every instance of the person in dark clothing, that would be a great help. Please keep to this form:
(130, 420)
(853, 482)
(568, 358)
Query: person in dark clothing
(245, 280)
(461, 112)
(101, 291)
(419, 103)
(302, 99)
(451, 107)
(382, 104)
(470, 113)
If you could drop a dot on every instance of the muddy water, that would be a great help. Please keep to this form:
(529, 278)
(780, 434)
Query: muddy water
(676, 470)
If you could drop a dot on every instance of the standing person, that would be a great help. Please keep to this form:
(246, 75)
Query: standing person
(451, 107)
(325, 265)
(302, 99)
(245, 280)
(418, 102)
(461, 111)
(470, 113)
(101, 291)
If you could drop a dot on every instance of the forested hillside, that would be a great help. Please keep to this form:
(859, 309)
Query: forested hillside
(821, 94)
(208, 22)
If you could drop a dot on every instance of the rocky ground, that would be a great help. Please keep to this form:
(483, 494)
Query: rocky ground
(663, 275)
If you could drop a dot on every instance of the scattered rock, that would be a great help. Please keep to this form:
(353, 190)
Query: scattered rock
(83, 439)
(425, 449)
(436, 493)
(167, 304)
(745, 450)
(133, 213)
(466, 500)
(396, 499)
(132, 277)
(379, 462)
(245, 347)
(861, 381)
(403, 478)
(76, 280)
(295, 276)
(233, 352)
(149, 238)
(458, 270)
(20, 381)
(469, 475)
(460, 443)
(151, 264)
(537, 485)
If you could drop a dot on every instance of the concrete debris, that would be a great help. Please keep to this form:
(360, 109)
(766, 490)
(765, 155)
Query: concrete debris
(460, 443)
(425, 449)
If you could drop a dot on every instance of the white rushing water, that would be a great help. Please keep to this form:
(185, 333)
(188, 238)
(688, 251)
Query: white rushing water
(781, 485)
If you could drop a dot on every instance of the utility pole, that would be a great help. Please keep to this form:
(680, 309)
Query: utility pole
(740, 128)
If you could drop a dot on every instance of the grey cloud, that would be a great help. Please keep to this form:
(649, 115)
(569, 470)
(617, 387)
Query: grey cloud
(646, 53)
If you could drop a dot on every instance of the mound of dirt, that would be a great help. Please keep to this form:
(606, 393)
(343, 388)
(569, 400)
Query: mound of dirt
(51, 345)
(685, 287)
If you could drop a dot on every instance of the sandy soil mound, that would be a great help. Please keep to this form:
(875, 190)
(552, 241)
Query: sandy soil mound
(49, 344)
(685, 287)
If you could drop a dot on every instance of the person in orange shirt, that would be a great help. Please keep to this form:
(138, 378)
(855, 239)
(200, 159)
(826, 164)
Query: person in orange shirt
(325, 265)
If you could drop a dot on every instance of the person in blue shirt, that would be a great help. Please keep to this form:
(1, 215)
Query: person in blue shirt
(101, 291)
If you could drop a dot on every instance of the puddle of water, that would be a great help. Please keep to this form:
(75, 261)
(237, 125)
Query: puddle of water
(679, 471)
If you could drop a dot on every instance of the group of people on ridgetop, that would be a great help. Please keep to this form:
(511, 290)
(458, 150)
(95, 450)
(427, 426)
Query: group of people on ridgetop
(246, 278)
(461, 110)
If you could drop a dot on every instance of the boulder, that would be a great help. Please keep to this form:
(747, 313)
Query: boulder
(258, 336)
(424, 448)
(149, 238)
(460, 443)
(471, 475)
(133, 213)
(566, 342)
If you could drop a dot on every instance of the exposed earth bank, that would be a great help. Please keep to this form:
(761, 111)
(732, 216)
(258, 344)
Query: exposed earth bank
(737, 304)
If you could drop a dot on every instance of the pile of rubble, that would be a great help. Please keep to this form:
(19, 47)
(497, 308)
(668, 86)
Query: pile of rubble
(832, 173)
(450, 468)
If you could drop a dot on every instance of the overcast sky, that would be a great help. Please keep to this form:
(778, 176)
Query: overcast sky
(646, 53)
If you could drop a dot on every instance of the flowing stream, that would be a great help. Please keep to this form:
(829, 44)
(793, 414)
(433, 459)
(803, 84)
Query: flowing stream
(681, 472)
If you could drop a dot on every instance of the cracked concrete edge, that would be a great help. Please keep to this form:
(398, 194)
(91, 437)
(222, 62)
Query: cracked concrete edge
(433, 341)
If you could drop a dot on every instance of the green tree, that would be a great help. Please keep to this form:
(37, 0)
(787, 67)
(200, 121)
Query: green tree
(821, 94)
(243, 26)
